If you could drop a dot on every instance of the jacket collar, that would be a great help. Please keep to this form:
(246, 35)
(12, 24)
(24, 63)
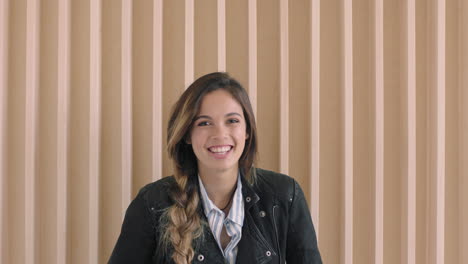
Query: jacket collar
(249, 194)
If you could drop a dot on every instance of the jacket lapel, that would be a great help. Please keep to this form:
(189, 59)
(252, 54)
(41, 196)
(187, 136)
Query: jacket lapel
(253, 245)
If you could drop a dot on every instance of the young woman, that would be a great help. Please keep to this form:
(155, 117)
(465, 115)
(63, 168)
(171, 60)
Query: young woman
(217, 208)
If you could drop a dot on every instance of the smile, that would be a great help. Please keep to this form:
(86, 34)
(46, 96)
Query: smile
(220, 152)
(220, 149)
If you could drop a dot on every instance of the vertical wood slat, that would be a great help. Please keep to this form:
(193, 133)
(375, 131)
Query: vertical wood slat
(32, 86)
(94, 128)
(440, 132)
(252, 14)
(189, 41)
(157, 89)
(379, 130)
(284, 87)
(463, 105)
(126, 104)
(3, 112)
(315, 115)
(348, 131)
(411, 133)
(221, 35)
(63, 91)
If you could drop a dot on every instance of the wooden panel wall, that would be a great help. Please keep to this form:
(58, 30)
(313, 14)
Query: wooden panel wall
(364, 102)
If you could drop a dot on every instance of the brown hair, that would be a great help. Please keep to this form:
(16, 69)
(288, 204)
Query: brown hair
(183, 222)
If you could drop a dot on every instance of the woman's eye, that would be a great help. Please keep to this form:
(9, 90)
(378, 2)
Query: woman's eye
(204, 123)
(233, 121)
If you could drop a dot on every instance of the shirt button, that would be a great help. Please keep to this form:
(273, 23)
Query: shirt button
(201, 257)
(262, 213)
(248, 199)
(268, 253)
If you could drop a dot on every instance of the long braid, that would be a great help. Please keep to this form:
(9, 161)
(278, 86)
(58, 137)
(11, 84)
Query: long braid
(183, 220)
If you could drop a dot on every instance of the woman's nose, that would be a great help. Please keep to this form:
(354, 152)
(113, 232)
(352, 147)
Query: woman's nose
(220, 131)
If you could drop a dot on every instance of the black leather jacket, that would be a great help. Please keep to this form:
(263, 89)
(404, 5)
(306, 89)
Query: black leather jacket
(277, 226)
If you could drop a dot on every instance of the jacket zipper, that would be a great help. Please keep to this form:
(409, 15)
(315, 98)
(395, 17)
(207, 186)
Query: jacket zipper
(276, 234)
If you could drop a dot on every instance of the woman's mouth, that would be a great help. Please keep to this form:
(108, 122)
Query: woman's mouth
(220, 152)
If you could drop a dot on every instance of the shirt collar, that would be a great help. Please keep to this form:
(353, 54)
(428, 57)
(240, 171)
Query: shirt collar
(236, 214)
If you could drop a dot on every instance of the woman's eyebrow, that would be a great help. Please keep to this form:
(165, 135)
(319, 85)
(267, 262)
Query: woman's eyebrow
(233, 113)
(202, 116)
(208, 117)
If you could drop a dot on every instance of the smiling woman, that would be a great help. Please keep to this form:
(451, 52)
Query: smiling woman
(217, 207)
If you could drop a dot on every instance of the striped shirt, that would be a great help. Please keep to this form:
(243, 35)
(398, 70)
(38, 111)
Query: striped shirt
(233, 222)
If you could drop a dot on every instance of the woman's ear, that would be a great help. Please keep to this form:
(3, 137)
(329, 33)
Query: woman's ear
(246, 136)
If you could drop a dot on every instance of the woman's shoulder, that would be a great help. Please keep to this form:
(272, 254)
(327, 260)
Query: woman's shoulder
(274, 176)
(158, 192)
(158, 184)
(275, 183)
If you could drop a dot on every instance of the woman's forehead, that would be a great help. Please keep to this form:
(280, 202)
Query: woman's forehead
(219, 102)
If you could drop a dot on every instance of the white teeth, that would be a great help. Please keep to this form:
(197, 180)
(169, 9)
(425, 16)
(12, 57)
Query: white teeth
(220, 149)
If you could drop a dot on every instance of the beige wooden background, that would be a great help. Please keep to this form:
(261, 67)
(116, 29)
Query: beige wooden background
(364, 102)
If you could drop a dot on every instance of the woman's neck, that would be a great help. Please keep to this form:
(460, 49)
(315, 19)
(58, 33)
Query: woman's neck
(219, 185)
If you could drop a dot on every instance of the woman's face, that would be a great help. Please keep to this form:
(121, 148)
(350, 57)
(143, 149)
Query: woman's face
(218, 133)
